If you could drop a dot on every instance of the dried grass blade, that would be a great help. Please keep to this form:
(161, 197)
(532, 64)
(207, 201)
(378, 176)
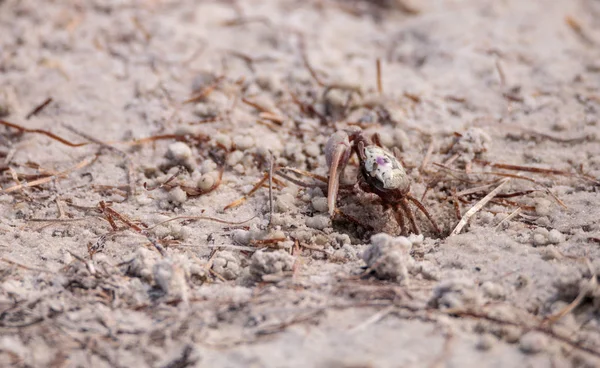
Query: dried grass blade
(478, 206)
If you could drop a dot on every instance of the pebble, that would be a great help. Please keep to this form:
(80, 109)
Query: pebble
(143, 199)
(543, 206)
(234, 158)
(284, 202)
(550, 252)
(227, 265)
(320, 204)
(540, 239)
(486, 342)
(179, 151)
(312, 150)
(493, 290)
(387, 140)
(321, 240)
(555, 237)
(346, 253)
(402, 140)
(223, 140)
(177, 195)
(207, 166)
(206, 181)
(243, 142)
(265, 263)
(429, 271)
(318, 222)
(486, 217)
(533, 342)
(389, 257)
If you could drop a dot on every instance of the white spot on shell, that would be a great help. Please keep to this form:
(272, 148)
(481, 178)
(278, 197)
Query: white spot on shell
(383, 166)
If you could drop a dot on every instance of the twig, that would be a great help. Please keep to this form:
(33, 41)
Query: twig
(501, 74)
(509, 217)
(271, 165)
(256, 187)
(427, 156)
(214, 219)
(475, 189)
(44, 132)
(39, 108)
(85, 162)
(477, 207)
(373, 319)
(25, 267)
(585, 291)
(578, 29)
(312, 72)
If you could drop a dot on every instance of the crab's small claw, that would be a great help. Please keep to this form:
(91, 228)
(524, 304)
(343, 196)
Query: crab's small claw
(337, 153)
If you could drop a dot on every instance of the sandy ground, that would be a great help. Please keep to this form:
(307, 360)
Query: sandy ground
(92, 274)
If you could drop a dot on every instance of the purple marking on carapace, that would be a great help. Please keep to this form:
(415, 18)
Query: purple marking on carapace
(381, 161)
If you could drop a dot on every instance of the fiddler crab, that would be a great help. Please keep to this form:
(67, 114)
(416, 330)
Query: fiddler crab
(380, 173)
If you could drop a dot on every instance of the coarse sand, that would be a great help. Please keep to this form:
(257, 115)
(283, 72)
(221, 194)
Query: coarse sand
(163, 201)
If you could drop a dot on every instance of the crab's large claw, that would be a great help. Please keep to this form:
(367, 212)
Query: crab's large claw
(337, 153)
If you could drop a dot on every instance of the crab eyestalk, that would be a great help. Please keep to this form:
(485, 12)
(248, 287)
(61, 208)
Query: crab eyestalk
(337, 153)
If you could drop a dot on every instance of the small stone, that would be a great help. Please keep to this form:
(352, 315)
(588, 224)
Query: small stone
(402, 140)
(486, 342)
(555, 237)
(170, 276)
(302, 235)
(143, 199)
(472, 142)
(493, 290)
(511, 334)
(318, 222)
(539, 239)
(207, 166)
(179, 152)
(533, 342)
(389, 257)
(346, 253)
(342, 239)
(387, 140)
(234, 158)
(266, 263)
(241, 236)
(208, 109)
(206, 181)
(67, 258)
(312, 150)
(321, 240)
(320, 204)
(455, 294)
(285, 202)
(429, 271)
(243, 142)
(335, 103)
(543, 206)
(276, 234)
(550, 253)
(486, 217)
(177, 195)
(269, 82)
(223, 140)
(227, 265)
(522, 281)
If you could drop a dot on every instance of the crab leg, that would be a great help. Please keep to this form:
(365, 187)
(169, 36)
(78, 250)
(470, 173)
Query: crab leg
(411, 217)
(337, 153)
(425, 212)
